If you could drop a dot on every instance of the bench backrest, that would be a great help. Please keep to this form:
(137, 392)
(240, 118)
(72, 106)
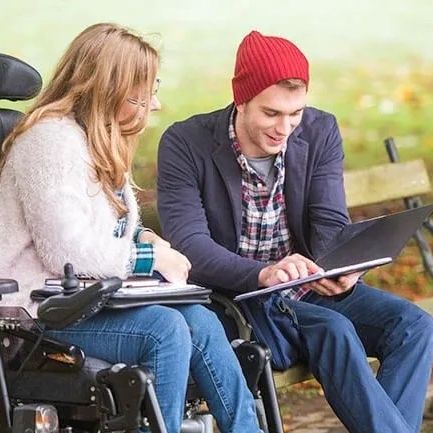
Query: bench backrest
(386, 182)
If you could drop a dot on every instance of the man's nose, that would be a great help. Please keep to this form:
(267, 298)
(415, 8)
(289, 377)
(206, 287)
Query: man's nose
(284, 126)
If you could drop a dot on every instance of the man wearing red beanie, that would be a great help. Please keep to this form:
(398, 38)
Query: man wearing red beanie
(252, 194)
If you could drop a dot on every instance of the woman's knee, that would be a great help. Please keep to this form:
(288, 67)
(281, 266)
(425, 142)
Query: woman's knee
(204, 324)
(164, 341)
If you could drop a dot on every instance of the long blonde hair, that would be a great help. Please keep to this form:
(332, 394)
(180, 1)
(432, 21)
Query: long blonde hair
(97, 73)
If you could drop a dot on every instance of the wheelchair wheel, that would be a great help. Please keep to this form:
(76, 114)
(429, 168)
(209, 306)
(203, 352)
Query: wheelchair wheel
(231, 316)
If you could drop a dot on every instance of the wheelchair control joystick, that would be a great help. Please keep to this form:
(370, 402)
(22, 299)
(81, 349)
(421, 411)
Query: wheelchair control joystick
(70, 282)
(59, 311)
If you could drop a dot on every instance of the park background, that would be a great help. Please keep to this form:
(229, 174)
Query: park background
(371, 65)
(371, 61)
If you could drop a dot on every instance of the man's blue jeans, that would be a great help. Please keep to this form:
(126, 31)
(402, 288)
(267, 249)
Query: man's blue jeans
(339, 332)
(173, 342)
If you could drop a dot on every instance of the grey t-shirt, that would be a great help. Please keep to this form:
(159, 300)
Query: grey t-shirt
(265, 168)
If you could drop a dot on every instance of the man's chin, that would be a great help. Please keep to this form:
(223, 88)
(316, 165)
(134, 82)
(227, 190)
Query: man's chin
(273, 149)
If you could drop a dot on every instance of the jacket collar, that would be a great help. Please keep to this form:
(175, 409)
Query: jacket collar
(227, 165)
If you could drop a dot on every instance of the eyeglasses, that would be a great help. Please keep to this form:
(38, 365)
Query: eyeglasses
(156, 86)
(143, 103)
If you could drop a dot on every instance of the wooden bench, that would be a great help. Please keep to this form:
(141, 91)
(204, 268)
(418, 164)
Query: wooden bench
(377, 184)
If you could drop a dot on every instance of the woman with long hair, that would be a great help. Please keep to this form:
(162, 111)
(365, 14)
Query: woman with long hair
(67, 196)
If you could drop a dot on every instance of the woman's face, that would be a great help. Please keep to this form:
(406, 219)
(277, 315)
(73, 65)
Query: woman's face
(136, 105)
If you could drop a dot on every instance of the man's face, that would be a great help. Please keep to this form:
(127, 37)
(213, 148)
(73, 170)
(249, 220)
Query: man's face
(264, 123)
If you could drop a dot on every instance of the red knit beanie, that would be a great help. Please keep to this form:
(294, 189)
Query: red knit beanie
(262, 61)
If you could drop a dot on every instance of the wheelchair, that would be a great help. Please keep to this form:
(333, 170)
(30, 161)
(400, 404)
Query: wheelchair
(51, 387)
(38, 373)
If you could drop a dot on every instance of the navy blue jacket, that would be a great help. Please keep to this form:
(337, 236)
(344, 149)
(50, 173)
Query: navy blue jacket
(199, 202)
(199, 194)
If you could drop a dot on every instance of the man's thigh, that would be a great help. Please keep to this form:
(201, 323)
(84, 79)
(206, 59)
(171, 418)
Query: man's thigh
(374, 313)
(322, 331)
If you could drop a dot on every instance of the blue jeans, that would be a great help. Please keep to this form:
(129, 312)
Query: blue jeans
(173, 342)
(337, 334)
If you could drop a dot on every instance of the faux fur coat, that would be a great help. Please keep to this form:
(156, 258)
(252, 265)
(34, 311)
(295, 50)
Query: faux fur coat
(52, 211)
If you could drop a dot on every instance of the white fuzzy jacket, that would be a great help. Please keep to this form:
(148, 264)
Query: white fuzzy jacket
(52, 212)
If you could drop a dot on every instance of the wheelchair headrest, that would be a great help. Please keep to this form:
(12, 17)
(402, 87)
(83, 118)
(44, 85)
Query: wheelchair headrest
(18, 81)
(8, 120)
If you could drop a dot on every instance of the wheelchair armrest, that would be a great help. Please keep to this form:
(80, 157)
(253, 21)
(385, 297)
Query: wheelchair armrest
(8, 286)
(62, 310)
(22, 333)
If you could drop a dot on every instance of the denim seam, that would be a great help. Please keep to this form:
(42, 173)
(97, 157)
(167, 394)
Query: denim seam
(390, 341)
(390, 337)
(124, 334)
(215, 380)
(387, 338)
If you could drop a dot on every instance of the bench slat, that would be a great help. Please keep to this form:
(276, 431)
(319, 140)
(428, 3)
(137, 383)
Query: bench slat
(297, 373)
(426, 305)
(300, 373)
(386, 182)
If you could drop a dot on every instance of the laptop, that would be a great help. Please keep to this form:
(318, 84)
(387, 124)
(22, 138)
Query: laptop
(360, 246)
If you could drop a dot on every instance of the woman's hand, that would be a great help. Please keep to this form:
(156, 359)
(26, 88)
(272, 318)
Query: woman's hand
(171, 264)
(147, 236)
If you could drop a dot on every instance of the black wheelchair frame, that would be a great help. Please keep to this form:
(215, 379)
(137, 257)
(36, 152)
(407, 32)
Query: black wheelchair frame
(90, 394)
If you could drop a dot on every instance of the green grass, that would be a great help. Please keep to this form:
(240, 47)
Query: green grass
(371, 61)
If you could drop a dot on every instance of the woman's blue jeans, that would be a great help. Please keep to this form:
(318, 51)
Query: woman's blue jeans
(173, 341)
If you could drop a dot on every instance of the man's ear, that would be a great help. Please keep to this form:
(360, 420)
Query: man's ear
(241, 107)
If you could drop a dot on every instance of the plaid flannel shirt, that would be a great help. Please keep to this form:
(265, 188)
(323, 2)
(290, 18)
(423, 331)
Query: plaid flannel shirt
(265, 234)
(142, 254)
